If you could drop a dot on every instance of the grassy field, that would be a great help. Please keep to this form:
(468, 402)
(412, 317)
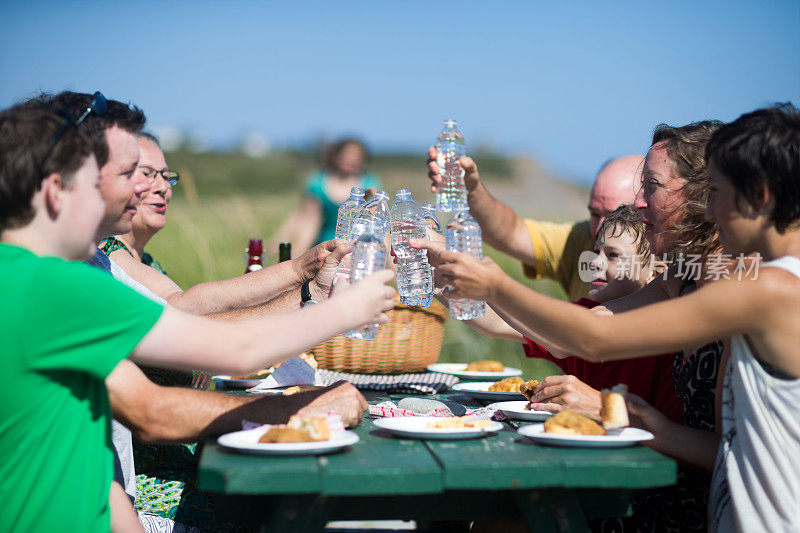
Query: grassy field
(225, 199)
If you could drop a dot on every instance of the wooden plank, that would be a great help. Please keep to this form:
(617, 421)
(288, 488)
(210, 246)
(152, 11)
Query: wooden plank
(223, 471)
(381, 464)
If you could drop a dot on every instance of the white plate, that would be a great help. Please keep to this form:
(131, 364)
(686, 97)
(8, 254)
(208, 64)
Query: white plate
(458, 369)
(415, 427)
(247, 440)
(480, 390)
(517, 411)
(616, 438)
(233, 383)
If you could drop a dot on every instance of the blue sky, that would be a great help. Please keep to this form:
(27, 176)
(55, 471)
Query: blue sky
(571, 83)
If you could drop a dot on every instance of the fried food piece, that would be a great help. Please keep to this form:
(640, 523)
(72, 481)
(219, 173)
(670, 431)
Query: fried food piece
(456, 422)
(507, 385)
(614, 413)
(485, 366)
(284, 434)
(316, 426)
(527, 389)
(300, 388)
(569, 423)
(299, 429)
(258, 374)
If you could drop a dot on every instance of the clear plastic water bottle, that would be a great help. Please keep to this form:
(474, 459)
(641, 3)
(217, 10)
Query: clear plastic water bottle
(347, 212)
(377, 209)
(368, 256)
(431, 220)
(450, 147)
(463, 234)
(414, 275)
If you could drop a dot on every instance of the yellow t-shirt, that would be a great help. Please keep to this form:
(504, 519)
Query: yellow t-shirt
(556, 248)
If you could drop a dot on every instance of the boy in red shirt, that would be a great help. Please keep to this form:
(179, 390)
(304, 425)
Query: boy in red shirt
(621, 265)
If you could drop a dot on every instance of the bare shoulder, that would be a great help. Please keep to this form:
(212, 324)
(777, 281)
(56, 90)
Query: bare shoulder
(122, 257)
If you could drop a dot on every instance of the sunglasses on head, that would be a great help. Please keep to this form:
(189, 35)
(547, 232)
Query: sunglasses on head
(98, 106)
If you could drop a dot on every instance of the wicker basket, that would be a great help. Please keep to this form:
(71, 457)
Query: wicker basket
(408, 343)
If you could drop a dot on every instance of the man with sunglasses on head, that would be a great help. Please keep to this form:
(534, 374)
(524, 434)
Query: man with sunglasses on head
(176, 414)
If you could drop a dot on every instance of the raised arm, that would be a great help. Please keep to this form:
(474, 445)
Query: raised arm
(180, 340)
(501, 226)
(711, 313)
(247, 290)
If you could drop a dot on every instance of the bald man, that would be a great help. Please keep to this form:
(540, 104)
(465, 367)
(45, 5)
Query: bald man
(547, 249)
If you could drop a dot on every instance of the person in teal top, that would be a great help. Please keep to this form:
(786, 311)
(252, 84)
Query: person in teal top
(314, 219)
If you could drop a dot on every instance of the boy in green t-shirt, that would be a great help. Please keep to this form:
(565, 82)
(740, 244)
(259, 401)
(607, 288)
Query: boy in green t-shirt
(60, 341)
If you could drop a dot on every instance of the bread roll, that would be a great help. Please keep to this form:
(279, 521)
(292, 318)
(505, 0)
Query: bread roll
(614, 413)
(486, 366)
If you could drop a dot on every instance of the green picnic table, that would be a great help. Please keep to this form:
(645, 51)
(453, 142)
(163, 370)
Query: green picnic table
(503, 476)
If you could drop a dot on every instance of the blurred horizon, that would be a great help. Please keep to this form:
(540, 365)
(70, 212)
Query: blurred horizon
(569, 85)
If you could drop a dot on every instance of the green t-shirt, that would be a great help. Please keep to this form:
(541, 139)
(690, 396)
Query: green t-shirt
(63, 328)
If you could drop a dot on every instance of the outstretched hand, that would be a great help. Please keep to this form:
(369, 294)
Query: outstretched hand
(370, 298)
(342, 398)
(471, 177)
(644, 415)
(462, 275)
(560, 393)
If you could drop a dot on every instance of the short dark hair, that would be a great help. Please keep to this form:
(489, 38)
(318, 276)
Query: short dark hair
(626, 218)
(686, 148)
(128, 117)
(760, 152)
(26, 137)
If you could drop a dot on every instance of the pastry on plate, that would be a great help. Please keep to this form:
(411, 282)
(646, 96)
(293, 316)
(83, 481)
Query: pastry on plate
(614, 413)
(299, 429)
(511, 384)
(569, 423)
(486, 365)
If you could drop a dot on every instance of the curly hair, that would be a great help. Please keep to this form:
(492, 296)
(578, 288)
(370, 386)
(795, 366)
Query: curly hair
(686, 148)
(622, 219)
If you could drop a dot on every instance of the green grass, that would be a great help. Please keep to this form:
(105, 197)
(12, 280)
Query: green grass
(225, 199)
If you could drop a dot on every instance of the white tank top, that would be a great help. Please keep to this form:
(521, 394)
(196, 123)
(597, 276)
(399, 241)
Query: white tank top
(756, 483)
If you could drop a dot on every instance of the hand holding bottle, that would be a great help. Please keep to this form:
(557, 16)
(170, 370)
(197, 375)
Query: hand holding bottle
(369, 299)
(471, 177)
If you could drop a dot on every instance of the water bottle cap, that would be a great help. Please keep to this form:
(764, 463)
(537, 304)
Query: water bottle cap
(450, 124)
(461, 208)
(403, 193)
(429, 207)
(382, 194)
(357, 191)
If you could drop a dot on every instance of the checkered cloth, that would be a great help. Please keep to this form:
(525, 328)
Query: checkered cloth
(390, 409)
(427, 383)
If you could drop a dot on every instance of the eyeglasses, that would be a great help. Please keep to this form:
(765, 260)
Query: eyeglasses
(99, 106)
(170, 176)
